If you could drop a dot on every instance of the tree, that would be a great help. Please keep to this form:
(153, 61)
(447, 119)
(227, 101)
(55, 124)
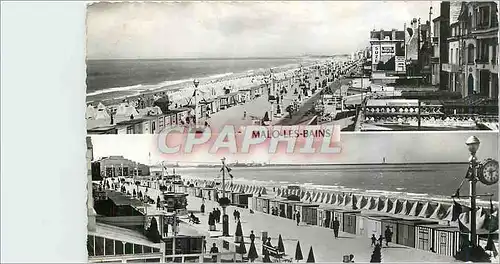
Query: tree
(376, 255)
(241, 249)
(310, 257)
(152, 232)
(252, 252)
(298, 252)
(281, 247)
(238, 235)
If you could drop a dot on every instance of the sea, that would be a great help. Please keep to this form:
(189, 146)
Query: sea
(432, 181)
(108, 79)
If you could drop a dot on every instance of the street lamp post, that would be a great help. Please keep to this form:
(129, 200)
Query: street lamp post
(196, 83)
(225, 217)
(473, 145)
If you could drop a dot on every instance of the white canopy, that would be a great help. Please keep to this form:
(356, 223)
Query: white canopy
(90, 113)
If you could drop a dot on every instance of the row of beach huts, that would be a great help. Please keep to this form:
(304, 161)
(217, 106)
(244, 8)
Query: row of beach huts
(425, 225)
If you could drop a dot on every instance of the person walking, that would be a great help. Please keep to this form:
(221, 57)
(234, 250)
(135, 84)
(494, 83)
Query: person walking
(238, 215)
(214, 250)
(252, 236)
(297, 217)
(380, 239)
(374, 240)
(204, 246)
(234, 215)
(336, 226)
(388, 236)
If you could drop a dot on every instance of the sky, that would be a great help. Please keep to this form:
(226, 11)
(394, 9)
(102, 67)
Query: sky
(241, 29)
(367, 147)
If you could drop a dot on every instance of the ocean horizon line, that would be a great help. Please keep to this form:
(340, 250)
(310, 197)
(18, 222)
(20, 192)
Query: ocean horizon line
(215, 58)
(322, 164)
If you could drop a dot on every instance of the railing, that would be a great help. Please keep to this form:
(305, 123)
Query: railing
(200, 257)
(126, 258)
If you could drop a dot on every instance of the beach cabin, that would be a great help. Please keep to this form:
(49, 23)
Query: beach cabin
(344, 215)
(263, 204)
(406, 231)
(209, 193)
(308, 213)
(443, 239)
(290, 208)
(224, 102)
(373, 224)
(241, 199)
(325, 215)
(245, 95)
(132, 126)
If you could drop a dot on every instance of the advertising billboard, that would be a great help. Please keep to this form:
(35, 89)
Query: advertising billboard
(385, 54)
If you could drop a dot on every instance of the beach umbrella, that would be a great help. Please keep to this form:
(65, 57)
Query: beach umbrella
(252, 252)
(281, 247)
(298, 252)
(310, 257)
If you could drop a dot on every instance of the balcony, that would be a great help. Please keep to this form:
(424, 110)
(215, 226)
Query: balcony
(435, 40)
(450, 67)
(434, 60)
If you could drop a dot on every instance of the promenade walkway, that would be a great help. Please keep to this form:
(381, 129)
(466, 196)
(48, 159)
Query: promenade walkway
(326, 247)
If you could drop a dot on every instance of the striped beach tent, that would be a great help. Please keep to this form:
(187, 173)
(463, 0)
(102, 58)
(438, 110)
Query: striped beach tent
(326, 198)
(387, 205)
(406, 207)
(361, 202)
(263, 191)
(374, 204)
(426, 210)
(322, 198)
(347, 201)
(415, 209)
(340, 199)
(439, 212)
(331, 200)
(302, 194)
(381, 204)
(396, 206)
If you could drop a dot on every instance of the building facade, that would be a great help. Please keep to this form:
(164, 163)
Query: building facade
(388, 52)
(472, 67)
(114, 166)
(440, 46)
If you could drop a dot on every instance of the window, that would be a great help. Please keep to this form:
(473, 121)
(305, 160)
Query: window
(451, 56)
(118, 247)
(129, 248)
(470, 54)
(457, 56)
(443, 239)
(494, 52)
(109, 248)
(90, 245)
(99, 246)
(137, 249)
(483, 17)
(130, 130)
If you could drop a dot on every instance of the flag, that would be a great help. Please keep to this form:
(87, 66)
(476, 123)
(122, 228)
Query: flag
(457, 210)
(227, 169)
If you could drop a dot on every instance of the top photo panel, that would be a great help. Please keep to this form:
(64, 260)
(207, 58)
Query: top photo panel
(359, 66)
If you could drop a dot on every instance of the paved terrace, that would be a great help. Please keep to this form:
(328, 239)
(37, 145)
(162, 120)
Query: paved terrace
(257, 108)
(326, 247)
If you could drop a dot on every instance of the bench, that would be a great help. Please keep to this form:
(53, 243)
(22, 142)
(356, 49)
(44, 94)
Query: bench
(274, 252)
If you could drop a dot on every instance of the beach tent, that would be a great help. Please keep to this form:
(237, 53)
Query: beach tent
(361, 202)
(405, 207)
(102, 114)
(439, 212)
(121, 110)
(90, 113)
(347, 201)
(426, 210)
(396, 207)
(333, 198)
(101, 106)
(415, 209)
(373, 204)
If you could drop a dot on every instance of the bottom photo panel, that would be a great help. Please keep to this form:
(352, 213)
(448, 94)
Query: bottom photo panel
(381, 197)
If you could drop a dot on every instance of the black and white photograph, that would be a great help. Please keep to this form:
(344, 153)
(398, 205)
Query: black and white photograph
(363, 66)
(292, 131)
